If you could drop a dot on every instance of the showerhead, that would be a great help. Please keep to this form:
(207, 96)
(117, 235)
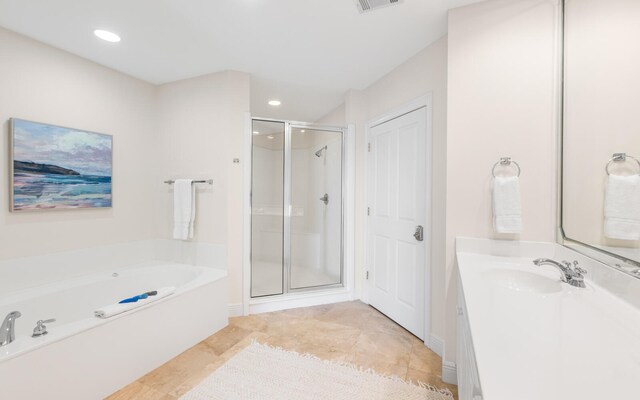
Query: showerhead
(319, 152)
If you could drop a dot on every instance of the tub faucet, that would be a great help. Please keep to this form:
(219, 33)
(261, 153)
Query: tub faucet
(7, 331)
(570, 273)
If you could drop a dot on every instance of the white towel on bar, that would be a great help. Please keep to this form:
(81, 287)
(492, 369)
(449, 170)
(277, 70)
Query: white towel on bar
(507, 209)
(184, 209)
(115, 309)
(622, 207)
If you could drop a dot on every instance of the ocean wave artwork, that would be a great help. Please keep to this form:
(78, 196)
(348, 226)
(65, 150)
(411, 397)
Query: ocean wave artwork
(59, 168)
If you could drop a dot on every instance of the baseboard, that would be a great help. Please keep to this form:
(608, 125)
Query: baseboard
(235, 310)
(449, 372)
(449, 368)
(436, 345)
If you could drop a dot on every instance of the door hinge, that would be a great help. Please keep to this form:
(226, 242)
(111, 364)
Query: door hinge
(368, 211)
(367, 274)
(369, 147)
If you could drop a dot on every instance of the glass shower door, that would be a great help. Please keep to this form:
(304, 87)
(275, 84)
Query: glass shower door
(315, 233)
(267, 208)
(296, 207)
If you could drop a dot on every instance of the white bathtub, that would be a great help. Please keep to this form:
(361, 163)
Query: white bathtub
(83, 357)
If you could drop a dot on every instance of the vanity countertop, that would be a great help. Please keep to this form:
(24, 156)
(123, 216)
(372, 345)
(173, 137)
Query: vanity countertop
(538, 338)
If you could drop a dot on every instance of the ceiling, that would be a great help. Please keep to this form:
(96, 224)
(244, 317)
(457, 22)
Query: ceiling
(306, 53)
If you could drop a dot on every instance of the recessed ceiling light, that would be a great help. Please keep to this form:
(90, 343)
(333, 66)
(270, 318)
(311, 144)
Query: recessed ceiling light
(271, 136)
(302, 131)
(106, 35)
(274, 103)
(256, 132)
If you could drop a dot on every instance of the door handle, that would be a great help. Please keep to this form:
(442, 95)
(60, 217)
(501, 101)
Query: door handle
(419, 233)
(325, 199)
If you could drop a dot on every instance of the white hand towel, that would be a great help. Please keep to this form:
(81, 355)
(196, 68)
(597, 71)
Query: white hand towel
(184, 209)
(622, 207)
(115, 309)
(507, 210)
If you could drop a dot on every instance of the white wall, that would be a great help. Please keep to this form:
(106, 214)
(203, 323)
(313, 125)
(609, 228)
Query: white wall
(192, 128)
(335, 117)
(200, 129)
(502, 101)
(44, 84)
(424, 73)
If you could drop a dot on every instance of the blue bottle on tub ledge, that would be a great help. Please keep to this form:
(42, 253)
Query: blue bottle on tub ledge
(134, 298)
(138, 297)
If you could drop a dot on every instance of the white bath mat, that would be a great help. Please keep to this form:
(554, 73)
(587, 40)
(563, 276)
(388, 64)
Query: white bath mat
(261, 372)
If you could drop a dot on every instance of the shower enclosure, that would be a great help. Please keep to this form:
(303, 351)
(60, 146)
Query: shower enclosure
(296, 207)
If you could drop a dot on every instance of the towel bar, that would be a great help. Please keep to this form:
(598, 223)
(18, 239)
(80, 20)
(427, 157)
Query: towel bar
(208, 181)
(620, 157)
(504, 161)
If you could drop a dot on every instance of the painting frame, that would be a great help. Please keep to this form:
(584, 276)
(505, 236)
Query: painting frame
(13, 142)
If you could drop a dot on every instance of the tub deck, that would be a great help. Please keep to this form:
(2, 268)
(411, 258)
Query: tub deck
(89, 358)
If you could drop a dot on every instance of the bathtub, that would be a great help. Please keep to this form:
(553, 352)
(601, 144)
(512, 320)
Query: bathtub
(84, 357)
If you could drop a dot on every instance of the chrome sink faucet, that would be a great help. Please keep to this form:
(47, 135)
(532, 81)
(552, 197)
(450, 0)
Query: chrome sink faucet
(7, 331)
(570, 273)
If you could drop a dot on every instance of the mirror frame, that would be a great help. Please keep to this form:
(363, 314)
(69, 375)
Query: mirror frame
(615, 261)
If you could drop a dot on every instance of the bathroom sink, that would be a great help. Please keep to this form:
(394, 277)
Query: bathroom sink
(522, 281)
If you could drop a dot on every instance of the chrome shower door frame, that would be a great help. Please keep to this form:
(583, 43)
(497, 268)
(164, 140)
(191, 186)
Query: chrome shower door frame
(287, 201)
(288, 208)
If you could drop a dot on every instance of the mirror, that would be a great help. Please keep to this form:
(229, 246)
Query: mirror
(601, 129)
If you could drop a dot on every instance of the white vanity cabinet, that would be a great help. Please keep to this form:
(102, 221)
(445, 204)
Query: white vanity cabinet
(524, 334)
(468, 380)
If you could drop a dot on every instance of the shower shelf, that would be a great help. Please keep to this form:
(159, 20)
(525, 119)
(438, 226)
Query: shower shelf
(276, 211)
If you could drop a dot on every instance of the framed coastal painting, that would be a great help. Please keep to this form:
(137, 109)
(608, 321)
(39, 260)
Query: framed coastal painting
(56, 168)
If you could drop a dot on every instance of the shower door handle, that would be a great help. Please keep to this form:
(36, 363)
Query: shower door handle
(419, 233)
(325, 199)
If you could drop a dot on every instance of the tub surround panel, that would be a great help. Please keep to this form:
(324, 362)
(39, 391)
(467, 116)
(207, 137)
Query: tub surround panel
(560, 337)
(73, 302)
(117, 351)
(191, 253)
(29, 272)
(103, 355)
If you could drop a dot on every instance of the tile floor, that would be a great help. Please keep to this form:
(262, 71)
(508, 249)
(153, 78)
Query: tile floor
(352, 332)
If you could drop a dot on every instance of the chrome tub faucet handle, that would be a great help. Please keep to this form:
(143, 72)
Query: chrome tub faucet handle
(41, 328)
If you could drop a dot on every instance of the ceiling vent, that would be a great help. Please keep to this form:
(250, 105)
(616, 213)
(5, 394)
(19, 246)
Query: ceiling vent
(370, 5)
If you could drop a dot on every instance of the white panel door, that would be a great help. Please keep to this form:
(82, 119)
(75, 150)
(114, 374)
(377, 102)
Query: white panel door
(397, 207)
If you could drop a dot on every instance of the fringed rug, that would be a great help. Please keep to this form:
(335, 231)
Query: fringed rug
(261, 372)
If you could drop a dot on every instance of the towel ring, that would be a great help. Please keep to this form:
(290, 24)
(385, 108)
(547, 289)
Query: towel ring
(505, 161)
(620, 157)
